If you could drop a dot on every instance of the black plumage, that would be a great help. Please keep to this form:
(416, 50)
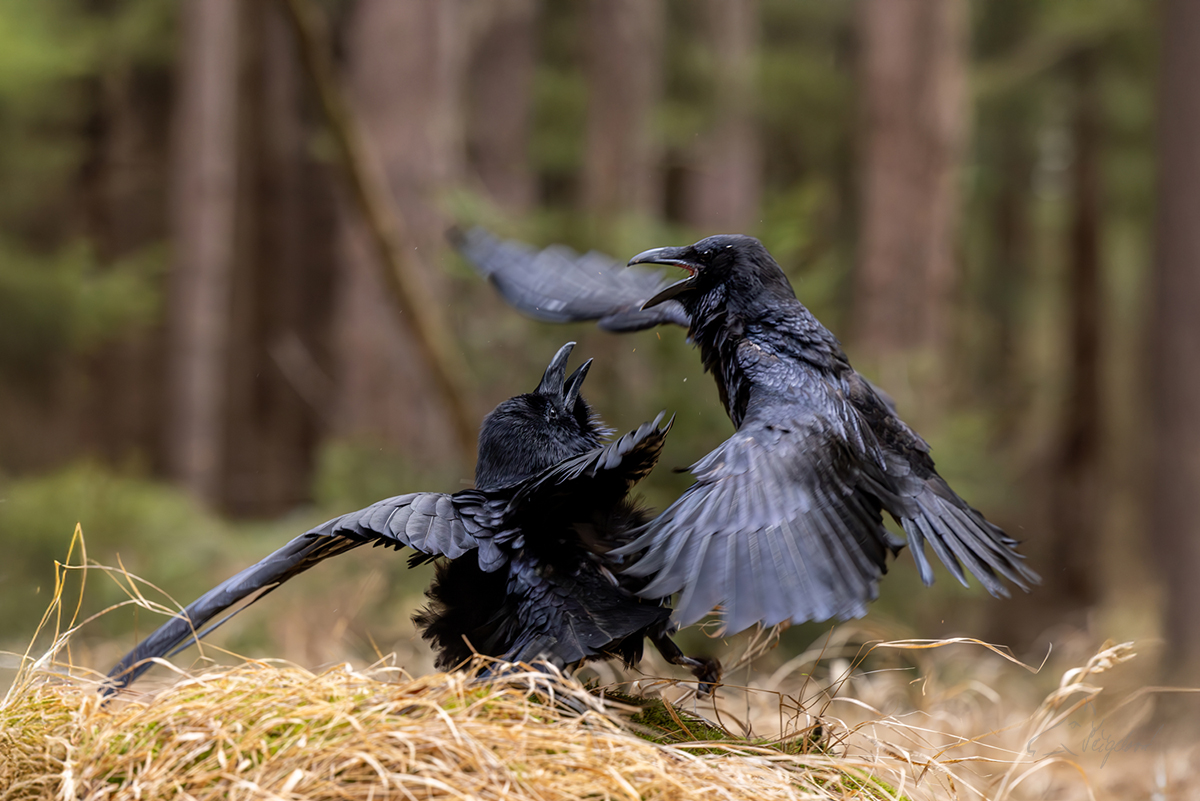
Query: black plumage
(557, 285)
(784, 521)
(526, 569)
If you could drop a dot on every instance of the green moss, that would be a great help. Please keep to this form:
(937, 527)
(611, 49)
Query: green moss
(660, 723)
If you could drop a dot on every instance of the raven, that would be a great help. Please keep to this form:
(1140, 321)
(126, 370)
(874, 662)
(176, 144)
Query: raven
(525, 569)
(784, 521)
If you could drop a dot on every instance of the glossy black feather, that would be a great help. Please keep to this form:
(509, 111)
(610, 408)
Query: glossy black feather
(525, 570)
(557, 285)
(785, 518)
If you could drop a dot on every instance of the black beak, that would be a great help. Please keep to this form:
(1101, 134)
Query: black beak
(552, 379)
(677, 288)
(571, 390)
(674, 256)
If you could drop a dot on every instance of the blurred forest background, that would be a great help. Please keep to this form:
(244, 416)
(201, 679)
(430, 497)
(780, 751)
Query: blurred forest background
(995, 205)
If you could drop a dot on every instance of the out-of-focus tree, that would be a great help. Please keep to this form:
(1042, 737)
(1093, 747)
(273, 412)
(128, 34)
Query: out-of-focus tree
(914, 118)
(500, 110)
(405, 77)
(1174, 357)
(278, 399)
(624, 45)
(1002, 211)
(648, 118)
(80, 228)
(1074, 504)
(1058, 241)
(725, 180)
(203, 205)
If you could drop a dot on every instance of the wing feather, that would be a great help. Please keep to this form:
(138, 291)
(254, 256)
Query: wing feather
(768, 532)
(558, 285)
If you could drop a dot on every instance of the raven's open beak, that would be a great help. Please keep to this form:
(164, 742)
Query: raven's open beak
(571, 390)
(677, 288)
(552, 379)
(676, 257)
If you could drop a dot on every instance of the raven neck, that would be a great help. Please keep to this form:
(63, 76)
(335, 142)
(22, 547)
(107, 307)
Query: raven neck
(776, 322)
(718, 332)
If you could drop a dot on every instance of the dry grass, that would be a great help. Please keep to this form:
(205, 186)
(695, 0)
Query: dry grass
(944, 720)
(274, 732)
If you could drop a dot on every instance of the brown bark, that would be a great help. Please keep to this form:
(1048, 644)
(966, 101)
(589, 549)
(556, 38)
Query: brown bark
(624, 41)
(1174, 527)
(725, 184)
(271, 430)
(501, 102)
(914, 107)
(122, 189)
(1075, 512)
(1004, 374)
(202, 227)
(405, 79)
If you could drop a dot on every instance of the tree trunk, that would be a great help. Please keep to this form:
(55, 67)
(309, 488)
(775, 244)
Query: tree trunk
(270, 428)
(1005, 375)
(405, 80)
(1074, 501)
(913, 64)
(122, 193)
(1007, 129)
(1175, 335)
(624, 40)
(501, 103)
(725, 184)
(202, 226)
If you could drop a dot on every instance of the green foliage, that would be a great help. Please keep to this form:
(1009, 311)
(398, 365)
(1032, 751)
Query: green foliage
(351, 475)
(44, 51)
(68, 302)
(807, 108)
(560, 96)
(54, 56)
(56, 294)
(150, 528)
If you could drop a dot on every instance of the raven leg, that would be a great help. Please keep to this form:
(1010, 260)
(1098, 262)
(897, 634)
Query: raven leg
(704, 668)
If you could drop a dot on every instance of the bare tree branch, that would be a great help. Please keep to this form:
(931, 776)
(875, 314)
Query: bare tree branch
(416, 307)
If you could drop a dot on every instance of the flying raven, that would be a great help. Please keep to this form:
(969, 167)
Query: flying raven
(525, 562)
(784, 521)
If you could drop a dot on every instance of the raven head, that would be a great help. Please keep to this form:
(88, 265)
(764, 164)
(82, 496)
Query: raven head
(713, 264)
(529, 433)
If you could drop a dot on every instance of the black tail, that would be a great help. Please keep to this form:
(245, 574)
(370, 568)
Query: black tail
(469, 612)
(960, 536)
(291, 560)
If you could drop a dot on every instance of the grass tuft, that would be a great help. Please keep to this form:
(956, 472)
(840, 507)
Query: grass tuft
(951, 719)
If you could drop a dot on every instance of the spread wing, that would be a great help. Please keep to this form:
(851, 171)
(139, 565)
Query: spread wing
(602, 475)
(558, 285)
(780, 525)
(432, 523)
(929, 510)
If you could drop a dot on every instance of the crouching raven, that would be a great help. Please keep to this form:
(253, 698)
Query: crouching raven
(526, 568)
